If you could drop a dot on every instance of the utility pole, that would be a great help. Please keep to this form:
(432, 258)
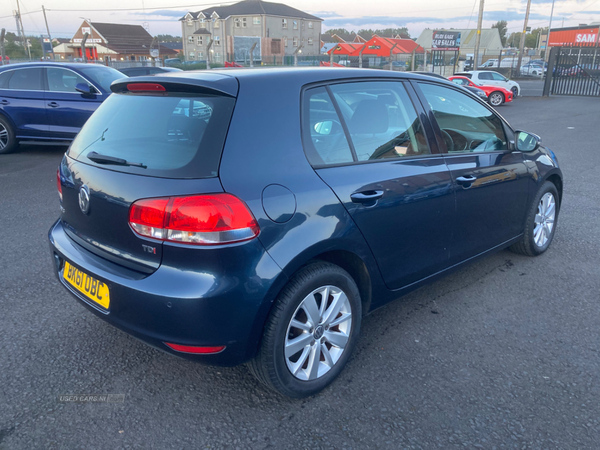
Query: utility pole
(252, 55)
(208, 54)
(522, 44)
(478, 37)
(48, 31)
(2, 46)
(83, 52)
(547, 53)
(23, 30)
(298, 50)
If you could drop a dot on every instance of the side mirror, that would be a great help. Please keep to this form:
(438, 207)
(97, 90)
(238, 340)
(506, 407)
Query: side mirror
(527, 142)
(84, 88)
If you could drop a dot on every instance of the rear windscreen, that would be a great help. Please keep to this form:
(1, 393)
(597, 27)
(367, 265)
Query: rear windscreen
(171, 136)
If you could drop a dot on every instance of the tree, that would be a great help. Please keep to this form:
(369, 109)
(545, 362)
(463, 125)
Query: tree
(168, 38)
(502, 29)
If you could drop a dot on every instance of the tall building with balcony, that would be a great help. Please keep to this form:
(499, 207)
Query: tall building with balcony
(277, 30)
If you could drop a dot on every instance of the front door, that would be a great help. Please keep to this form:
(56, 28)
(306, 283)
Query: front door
(490, 178)
(368, 144)
(67, 108)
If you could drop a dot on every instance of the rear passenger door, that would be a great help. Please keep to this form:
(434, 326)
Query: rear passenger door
(22, 99)
(490, 177)
(368, 143)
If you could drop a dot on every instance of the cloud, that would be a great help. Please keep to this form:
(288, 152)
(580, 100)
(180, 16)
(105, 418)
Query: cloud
(161, 12)
(325, 14)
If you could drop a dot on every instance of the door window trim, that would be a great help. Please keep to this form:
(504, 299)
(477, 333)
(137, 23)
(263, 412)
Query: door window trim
(508, 131)
(417, 108)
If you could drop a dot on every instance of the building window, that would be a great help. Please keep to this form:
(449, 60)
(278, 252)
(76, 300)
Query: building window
(240, 22)
(285, 41)
(192, 55)
(202, 23)
(217, 23)
(256, 21)
(189, 22)
(244, 24)
(310, 25)
(200, 55)
(295, 24)
(217, 40)
(199, 40)
(217, 57)
(284, 24)
(310, 41)
(295, 42)
(190, 39)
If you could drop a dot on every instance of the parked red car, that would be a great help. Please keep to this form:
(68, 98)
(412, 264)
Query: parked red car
(496, 95)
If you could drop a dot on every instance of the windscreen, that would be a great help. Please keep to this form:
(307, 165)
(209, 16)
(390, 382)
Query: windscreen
(171, 136)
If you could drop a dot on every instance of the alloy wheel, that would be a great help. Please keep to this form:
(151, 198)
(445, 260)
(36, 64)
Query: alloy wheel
(3, 137)
(496, 99)
(544, 219)
(318, 333)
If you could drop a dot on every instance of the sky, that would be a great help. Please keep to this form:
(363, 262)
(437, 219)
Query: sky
(161, 16)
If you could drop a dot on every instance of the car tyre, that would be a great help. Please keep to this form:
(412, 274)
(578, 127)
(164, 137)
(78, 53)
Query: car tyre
(496, 98)
(515, 92)
(541, 222)
(273, 366)
(8, 141)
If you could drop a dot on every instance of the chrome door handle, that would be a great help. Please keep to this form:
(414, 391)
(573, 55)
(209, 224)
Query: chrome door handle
(366, 196)
(469, 179)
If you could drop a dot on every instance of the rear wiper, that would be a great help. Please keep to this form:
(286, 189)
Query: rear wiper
(106, 159)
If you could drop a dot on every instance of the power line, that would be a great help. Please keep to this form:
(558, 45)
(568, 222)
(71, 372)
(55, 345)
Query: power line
(140, 9)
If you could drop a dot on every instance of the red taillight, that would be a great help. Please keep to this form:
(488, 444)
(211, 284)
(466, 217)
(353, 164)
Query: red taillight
(194, 349)
(58, 185)
(200, 219)
(145, 87)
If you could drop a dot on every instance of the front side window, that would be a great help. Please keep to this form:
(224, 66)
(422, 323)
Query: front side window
(466, 124)
(62, 80)
(324, 138)
(460, 82)
(26, 80)
(498, 77)
(381, 120)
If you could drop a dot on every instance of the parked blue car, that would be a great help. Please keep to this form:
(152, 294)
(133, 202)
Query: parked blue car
(257, 215)
(49, 102)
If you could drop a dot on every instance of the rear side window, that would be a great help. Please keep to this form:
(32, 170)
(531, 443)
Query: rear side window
(324, 138)
(381, 120)
(172, 136)
(4, 77)
(485, 76)
(26, 80)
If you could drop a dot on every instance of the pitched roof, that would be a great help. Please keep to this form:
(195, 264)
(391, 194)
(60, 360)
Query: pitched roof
(383, 46)
(124, 38)
(202, 31)
(250, 7)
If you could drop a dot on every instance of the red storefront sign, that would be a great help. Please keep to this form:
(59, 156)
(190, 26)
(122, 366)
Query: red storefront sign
(574, 37)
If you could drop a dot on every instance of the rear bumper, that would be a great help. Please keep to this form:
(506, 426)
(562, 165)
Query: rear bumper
(211, 297)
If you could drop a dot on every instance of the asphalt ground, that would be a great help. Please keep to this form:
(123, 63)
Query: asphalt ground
(503, 354)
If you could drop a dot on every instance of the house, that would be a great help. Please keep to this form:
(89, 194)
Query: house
(277, 30)
(113, 41)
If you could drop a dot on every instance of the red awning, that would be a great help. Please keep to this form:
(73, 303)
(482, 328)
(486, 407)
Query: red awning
(383, 46)
(346, 49)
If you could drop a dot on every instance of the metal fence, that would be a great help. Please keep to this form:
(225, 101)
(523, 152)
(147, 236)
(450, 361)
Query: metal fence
(575, 71)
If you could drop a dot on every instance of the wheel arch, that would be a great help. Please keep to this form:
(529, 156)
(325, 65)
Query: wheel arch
(558, 182)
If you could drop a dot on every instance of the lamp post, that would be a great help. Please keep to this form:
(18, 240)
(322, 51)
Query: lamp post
(89, 22)
(209, 50)
(298, 50)
(547, 54)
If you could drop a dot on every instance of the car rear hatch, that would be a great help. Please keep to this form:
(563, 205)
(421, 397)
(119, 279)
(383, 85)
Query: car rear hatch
(156, 138)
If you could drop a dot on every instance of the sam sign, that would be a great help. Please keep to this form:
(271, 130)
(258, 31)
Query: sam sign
(446, 41)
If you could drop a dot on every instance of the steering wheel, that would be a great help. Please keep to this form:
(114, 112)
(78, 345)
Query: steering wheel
(448, 140)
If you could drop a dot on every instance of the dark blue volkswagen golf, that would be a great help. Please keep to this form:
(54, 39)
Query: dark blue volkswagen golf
(49, 102)
(257, 216)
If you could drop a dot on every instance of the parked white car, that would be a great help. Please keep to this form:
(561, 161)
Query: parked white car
(532, 69)
(491, 78)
